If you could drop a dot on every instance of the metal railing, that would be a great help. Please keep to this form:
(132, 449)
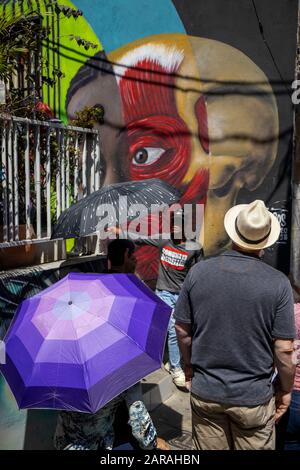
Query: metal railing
(45, 167)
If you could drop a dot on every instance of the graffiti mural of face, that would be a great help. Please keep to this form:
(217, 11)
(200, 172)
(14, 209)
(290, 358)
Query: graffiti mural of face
(195, 112)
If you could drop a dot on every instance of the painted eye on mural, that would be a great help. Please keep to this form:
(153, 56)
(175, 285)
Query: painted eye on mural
(147, 155)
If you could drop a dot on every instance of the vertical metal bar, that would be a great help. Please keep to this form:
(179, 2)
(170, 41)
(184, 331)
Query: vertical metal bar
(27, 185)
(16, 183)
(58, 178)
(37, 180)
(39, 64)
(4, 180)
(63, 171)
(97, 163)
(32, 75)
(93, 162)
(48, 183)
(53, 57)
(76, 182)
(10, 183)
(27, 83)
(68, 192)
(19, 74)
(48, 54)
(58, 64)
(84, 171)
(21, 65)
(55, 254)
(21, 6)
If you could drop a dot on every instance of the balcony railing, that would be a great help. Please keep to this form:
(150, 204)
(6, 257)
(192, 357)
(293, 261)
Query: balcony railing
(45, 167)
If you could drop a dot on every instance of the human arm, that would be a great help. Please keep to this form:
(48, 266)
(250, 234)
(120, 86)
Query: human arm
(283, 352)
(283, 333)
(139, 240)
(184, 337)
(183, 327)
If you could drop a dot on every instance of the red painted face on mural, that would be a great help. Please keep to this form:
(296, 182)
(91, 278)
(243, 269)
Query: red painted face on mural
(159, 140)
(194, 112)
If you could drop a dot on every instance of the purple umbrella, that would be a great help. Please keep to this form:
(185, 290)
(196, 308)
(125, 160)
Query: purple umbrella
(83, 341)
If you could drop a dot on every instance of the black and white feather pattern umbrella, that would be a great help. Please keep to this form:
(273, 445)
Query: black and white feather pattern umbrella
(83, 218)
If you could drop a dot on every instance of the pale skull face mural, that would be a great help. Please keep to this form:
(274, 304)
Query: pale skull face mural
(195, 112)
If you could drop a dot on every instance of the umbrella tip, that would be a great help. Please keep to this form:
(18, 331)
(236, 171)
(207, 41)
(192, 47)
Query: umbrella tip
(70, 302)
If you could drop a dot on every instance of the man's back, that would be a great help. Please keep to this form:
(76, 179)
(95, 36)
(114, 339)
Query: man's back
(238, 305)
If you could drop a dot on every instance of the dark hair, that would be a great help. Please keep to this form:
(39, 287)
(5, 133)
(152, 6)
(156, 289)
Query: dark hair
(96, 65)
(117, 249)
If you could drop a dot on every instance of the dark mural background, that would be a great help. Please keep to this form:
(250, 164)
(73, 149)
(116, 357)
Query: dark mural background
(266, 31)
(196, 93)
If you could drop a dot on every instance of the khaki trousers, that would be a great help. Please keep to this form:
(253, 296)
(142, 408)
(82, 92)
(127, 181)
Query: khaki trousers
(223, 427)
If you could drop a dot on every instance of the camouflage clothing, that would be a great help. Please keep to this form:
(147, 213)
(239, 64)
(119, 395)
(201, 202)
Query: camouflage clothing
(142, 426)
(85, 431)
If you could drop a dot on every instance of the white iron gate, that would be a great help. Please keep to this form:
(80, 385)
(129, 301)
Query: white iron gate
(45, 167)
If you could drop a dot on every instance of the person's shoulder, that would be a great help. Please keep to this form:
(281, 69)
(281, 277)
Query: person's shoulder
(275, 278)
(274, 273)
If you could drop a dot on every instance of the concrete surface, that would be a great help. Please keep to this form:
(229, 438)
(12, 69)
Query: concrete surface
(34, 429)
(173, 420)
(157, 388)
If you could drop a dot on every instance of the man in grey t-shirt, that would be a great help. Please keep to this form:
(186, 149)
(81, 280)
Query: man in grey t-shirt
(234, 321)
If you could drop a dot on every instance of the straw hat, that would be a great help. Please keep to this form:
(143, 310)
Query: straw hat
(252, 226)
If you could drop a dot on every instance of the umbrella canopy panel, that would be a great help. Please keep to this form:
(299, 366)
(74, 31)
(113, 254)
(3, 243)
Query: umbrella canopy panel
(83, 341)
(83, 218)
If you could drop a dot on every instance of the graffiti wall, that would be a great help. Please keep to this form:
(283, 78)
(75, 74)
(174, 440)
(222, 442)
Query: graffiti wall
(197, 94)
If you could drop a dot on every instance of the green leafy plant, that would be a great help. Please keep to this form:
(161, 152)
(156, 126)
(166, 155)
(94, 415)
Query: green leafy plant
(66, 10)
(19, 34)
(82, 42)
(21, 38)
(88, 117)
